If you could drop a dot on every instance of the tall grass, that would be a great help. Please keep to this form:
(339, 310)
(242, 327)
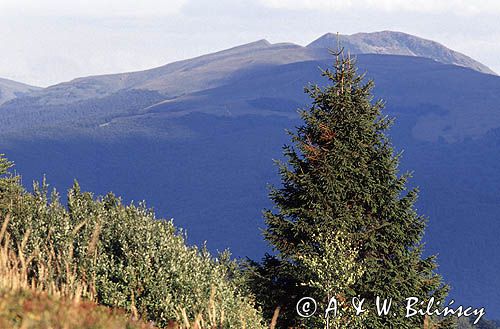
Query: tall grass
(15, 267)
(37, 302)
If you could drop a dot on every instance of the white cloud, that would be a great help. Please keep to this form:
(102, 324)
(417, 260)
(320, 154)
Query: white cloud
(459, 7)
(91, 8)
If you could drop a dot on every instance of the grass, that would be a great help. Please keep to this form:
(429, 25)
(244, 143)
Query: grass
(26, 304)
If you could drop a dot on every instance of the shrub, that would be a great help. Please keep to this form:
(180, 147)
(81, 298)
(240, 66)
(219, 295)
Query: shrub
(123, 256)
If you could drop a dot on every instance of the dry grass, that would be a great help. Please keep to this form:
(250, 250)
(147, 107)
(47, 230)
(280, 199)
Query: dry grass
(40, 303)
(14, 267)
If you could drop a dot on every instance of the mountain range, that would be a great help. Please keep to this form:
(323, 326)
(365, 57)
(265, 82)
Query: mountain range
(196, 139)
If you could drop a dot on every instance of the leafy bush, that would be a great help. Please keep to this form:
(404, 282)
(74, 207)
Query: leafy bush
(123, 256)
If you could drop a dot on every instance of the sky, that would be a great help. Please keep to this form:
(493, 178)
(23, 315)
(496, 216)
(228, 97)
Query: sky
(44, 42)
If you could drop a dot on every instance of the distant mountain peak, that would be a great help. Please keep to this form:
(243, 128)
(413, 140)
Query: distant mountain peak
(11, 89)
(263, 43)
(398, 43)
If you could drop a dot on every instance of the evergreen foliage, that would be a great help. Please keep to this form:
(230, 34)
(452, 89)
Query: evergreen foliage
(345, 224)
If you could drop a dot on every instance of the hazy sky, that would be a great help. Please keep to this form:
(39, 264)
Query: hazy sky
(44, 42)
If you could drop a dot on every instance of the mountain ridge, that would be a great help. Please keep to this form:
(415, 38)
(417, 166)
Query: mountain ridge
(183, 77)
(398, 43)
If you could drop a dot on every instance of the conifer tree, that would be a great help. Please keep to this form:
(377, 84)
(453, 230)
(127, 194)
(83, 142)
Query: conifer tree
(344, 214)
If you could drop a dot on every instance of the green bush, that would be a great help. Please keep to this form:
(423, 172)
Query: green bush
(124, 255)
